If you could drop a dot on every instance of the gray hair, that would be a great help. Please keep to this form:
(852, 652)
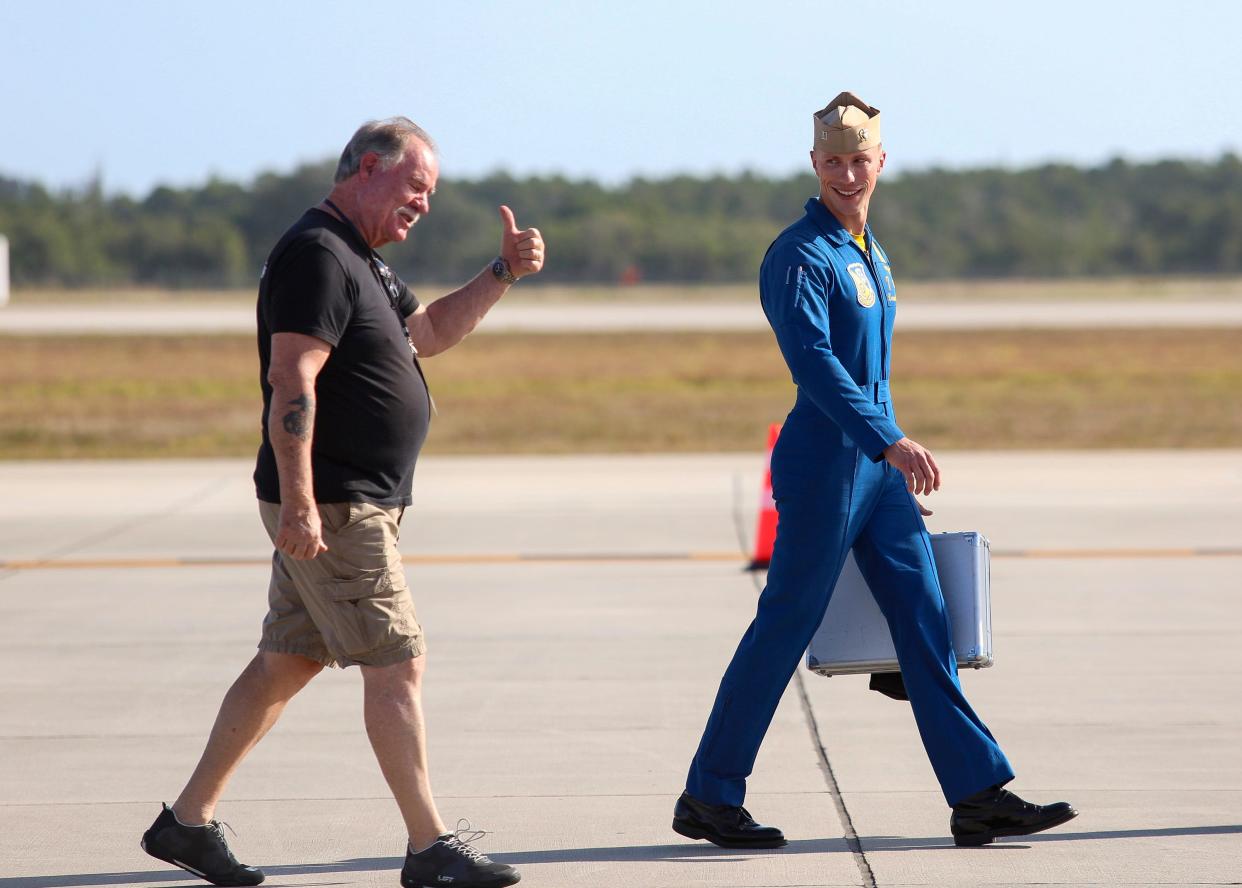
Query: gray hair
(388, 138)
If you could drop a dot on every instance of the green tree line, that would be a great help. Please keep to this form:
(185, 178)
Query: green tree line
(1172, 216)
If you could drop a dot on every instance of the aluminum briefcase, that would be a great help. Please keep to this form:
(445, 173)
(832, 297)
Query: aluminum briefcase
(854, 637)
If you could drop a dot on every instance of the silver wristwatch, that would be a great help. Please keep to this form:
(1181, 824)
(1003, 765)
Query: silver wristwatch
(500, 268)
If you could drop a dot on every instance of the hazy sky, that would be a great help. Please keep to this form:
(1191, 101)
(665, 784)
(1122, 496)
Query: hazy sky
(173, 92)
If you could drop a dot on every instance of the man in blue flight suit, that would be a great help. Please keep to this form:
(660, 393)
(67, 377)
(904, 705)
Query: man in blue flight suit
(844, 476)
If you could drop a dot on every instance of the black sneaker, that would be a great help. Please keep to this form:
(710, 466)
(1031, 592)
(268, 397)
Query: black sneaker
(452, 862)
(200, 850)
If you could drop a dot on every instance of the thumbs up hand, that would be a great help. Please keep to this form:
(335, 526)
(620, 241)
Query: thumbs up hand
(522, 248)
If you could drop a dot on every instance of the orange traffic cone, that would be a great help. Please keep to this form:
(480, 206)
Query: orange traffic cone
(765, 531)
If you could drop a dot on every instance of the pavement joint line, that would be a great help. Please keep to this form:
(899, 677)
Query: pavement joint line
(834, 788)
(7, 567)
(821, 753)
(1184, 552)
(479, 558)
(54, 562)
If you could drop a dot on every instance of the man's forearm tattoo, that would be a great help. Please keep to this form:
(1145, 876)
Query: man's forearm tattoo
(299, 421)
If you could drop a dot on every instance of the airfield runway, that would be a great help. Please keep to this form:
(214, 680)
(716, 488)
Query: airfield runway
(617, 316)
(579, 612)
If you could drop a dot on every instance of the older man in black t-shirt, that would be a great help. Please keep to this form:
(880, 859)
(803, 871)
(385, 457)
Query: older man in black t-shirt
(346, 410)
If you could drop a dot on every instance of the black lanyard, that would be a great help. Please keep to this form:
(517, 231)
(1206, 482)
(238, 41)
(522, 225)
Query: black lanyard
(387, 280)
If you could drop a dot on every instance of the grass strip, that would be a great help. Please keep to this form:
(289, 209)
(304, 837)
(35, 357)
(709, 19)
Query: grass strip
(168, 396)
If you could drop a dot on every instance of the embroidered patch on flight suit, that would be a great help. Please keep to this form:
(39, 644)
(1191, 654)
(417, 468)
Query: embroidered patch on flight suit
(890, 288)
(881, 261)
(866, 294)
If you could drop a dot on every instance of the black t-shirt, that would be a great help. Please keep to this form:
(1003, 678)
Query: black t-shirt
(372, 407)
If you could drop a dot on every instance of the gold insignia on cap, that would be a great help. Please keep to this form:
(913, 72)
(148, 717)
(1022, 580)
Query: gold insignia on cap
(847, 124)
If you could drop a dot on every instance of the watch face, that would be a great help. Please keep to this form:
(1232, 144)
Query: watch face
(501, 270)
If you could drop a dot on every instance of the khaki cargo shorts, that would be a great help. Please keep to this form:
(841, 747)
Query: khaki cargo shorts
(351, 604)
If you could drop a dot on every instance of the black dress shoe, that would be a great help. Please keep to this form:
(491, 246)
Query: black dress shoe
(729, 826)
(890, 684)
(997, 812)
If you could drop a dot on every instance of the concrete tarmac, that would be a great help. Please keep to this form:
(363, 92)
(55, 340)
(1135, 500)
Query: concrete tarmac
(582, 317)
(579, 612)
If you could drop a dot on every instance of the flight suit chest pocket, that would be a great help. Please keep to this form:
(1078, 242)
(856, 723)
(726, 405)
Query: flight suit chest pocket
(887, 287)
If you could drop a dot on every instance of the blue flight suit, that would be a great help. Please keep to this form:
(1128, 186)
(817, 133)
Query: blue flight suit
(831, 306)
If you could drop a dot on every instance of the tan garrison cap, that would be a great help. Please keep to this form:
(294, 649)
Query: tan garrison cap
(847, 124)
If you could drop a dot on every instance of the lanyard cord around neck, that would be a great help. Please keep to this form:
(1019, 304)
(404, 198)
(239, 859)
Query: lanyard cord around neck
(378, 267)
(376, 264)
(352, 227)
(385, 277)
